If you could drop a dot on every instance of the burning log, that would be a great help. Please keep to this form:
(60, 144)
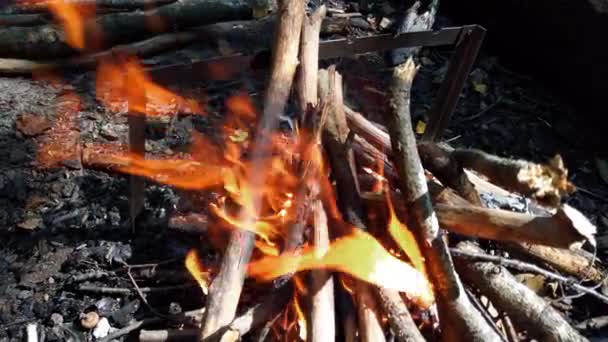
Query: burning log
(322, 284)
(525, 308)
(322, 315)
(343, 169)
(458, 317)
(226, 288)
(342, 162)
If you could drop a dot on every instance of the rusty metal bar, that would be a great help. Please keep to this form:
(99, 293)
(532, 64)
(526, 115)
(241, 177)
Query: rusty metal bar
(136, 120)
(461, 63)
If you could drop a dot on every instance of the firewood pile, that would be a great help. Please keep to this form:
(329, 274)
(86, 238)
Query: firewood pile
(339, 228)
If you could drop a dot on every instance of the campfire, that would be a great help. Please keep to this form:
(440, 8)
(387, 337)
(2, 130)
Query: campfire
(338, 228)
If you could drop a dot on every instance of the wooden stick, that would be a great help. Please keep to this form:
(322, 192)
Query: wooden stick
(399, 317)
(252, 318)
(564, 229)
(225, 290)
(459, 319)
(571, 262)
(309, 57)
(259, 314)
(341, 162)
(433, 158)
(526, 267)
(527, 309)
(169, 335)
(322, 317)
(545, 183)
(577, 263)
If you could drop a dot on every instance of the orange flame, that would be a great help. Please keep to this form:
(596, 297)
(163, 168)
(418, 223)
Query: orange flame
(182, 173)
(73, 19)
(376, 266)
(125, 83)
(196, 269)
(241, 105)
(404, 238)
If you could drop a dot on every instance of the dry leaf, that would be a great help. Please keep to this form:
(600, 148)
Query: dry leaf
(481, 88)
(534, 282)
(420, 127)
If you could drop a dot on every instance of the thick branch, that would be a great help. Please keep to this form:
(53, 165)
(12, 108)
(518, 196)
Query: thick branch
(460, 320)
(525, 308)
(545, 183)
(564, 229)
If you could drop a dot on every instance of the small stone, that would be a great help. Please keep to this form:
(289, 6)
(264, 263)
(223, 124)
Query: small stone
(175, 308)
(25, 294)
(102, 329)
(31, 125)
(56, 318)
(109, 131)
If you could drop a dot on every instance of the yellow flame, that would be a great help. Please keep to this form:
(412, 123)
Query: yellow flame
(196, 269)
(376, 266)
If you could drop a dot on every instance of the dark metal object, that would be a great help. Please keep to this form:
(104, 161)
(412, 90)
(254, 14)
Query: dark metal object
(226, 68)
(467, 39)
(461, 63)
(137, 144)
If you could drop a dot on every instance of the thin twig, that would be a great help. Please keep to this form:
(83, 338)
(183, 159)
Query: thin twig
(123, 290)
(143, 297)
(527, 267)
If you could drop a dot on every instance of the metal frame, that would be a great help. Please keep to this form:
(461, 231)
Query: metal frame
(467, 41)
